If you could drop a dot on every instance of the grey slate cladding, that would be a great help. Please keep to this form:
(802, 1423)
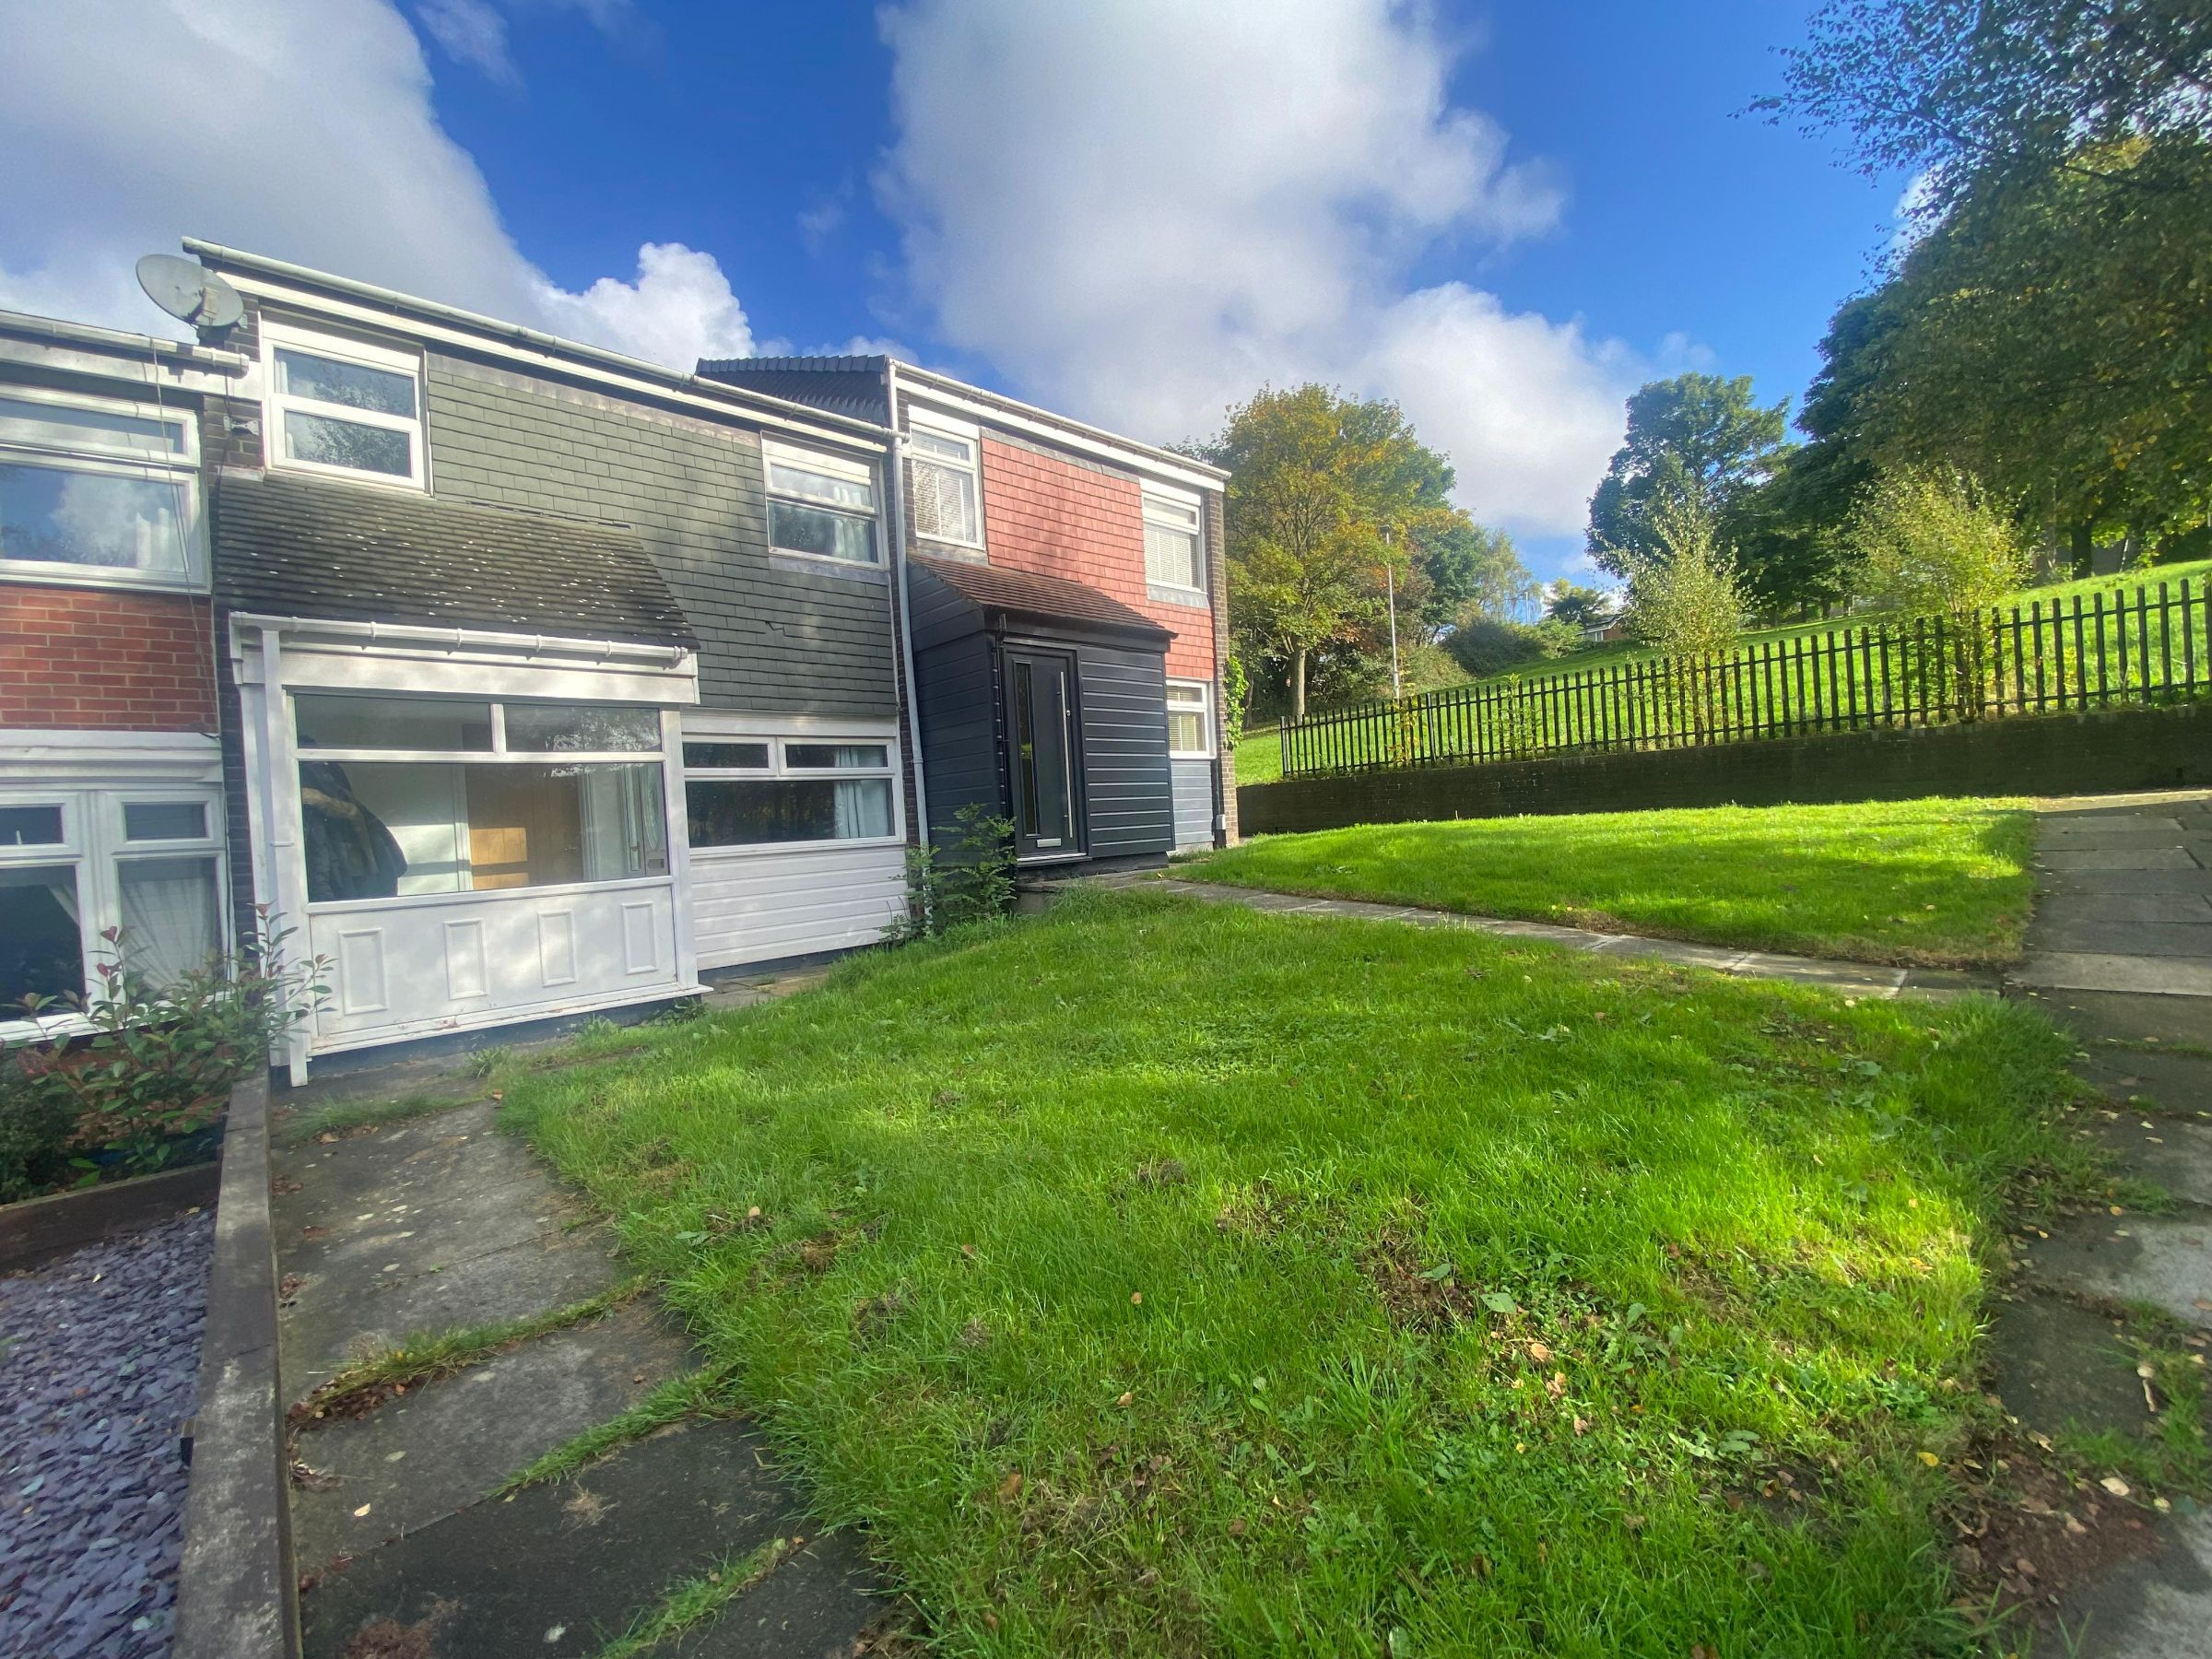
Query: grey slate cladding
(773, 639)
(292, 545)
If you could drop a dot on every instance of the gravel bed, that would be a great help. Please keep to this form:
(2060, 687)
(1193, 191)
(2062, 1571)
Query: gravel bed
(98, 1352)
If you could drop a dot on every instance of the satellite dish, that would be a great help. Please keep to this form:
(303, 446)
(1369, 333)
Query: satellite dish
(190, 291)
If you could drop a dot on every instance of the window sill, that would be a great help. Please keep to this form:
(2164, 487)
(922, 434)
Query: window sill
(347, 475)
(931, 546)
(26, 573)
(352, 907)
(1190, 754)
(1161, 593)
(769, 849)
(821, 564)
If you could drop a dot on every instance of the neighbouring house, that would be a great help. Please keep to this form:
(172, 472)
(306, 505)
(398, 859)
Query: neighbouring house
(1068, 613)
(523, 680)
(111, 771)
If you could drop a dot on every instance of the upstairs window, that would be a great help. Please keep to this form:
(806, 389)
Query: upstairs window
(1174, 555)
(944, 459)
(343, 407)
(98, 491)
(820, 505)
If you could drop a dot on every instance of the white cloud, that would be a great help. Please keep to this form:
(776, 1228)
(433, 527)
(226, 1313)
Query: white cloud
(305, 132)
(1140, 210)
(473, 32)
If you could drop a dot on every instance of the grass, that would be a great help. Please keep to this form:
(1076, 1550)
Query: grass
(1152, 1277)
(694, 1393)
(1259, 754)
(696, 1600)
(348, 1116)
(1936, 883)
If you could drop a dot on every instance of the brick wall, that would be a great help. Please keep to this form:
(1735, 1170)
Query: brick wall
(1053, 516)
(99, 659)
(2102, 752)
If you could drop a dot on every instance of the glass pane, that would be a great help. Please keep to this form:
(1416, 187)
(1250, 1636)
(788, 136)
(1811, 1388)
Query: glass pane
(842, 755)
(1186, 730)
(820, 485)
(333, 720)
(945, 503)
(730, 813)
(954, 450)
(1172, 557)
(1189, 696)
(376, 829)
(169, 921)
(41, 948)
(164, 820)
(347, 443)
(31, 826)
(326, 380)
(27, 422)
(605, 726)
(730, 757)
(104, 520)
(795, 529)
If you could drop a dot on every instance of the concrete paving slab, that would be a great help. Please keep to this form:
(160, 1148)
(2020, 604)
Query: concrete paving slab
(2056, 1365)
(560, 1568)
(2158, 1606)
(2092, 1014)
(2116, 858)
(2175, 1157)
(2098, 971)
(2163, 1260)
(2120, 821)
(2094, 936)
(813, 1606)
(2160, 1083)
(2184, 884)
(2060, 907)
(2169, 800)
(437, 1448)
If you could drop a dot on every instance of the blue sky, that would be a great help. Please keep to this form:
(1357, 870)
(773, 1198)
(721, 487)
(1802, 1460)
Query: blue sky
(1505, 217)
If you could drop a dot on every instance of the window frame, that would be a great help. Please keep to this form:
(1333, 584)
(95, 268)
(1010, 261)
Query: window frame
(779, 769)
(179, 467)
(1183, 512)
(831, 462)
(947, 430)
(1206, 718)
(95, 850)
(360, 354)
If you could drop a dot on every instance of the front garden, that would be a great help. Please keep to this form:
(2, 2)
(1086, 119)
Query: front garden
(1158, 1277)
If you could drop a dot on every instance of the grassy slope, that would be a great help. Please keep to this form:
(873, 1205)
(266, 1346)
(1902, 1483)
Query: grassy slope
(1176, 1280)
(1259, 759)
(1942, 883)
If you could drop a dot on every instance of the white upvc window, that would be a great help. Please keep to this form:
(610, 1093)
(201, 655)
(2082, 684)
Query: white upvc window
(944, 457)
(820, 505)
(98, 491)
(1174, 548)
(96, 878)
(744, 790)
(1189, 720)
(341, 407)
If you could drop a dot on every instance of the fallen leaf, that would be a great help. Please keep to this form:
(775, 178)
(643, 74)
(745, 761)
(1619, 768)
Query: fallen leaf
(1010, 1487)
(1125, 1399)
(359, 1513)
(2116, 1486)
(1539, 1353)
(1930, 1459)
(1135, 1298)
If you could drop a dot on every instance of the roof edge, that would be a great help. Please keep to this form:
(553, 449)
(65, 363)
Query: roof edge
(1050, 417)
(64, 330)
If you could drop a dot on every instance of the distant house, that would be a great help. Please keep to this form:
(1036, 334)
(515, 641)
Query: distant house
(528, 680)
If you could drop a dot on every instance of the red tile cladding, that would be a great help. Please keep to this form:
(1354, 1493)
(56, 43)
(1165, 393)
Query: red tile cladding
(99, 659)
(1054, 518)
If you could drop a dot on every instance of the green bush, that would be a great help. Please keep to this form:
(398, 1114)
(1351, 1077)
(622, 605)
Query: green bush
(1485, 645)
(36, 1121)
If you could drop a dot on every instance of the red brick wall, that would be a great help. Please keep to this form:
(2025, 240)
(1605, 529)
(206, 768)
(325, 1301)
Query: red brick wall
(1052, 517)
(99, 659)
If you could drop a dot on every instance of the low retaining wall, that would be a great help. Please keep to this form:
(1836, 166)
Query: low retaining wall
(237, 1597)
(2101, 752)
(37, 1228)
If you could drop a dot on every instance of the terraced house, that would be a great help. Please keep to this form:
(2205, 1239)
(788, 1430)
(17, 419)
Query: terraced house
(528, 680)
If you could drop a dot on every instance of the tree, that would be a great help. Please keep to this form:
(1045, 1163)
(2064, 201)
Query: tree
(1951, 90)
(1325, 495)
(1467, 570)
(1684, 596)
(1578, 606)
(1696, 437)
(1935, 543)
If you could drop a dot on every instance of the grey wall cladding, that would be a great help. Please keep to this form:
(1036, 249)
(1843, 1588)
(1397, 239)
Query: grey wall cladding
(773, 639)
(1194, 783)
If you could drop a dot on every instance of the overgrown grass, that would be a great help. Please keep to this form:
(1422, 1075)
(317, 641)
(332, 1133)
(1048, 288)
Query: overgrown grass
(350, 1115)
(703, 1393)
(696, 1600)
(1158, 1277)
(1943, 883)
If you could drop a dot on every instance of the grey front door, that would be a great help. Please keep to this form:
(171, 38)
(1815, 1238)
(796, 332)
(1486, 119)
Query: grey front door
(1043, 754)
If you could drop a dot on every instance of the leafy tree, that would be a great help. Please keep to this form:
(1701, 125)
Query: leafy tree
(1696, 437)
(1325, 495)
(1684, 598)
(1578, 606)
(1934, 542)
(1467, 569)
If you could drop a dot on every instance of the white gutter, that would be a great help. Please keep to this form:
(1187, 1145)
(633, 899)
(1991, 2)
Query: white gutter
(388, 308)
(116, 339)
(457, 639)
(905, 621)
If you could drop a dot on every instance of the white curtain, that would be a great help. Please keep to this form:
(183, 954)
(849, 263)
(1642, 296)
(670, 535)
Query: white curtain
(864, 808)
(170, 923)
(625, 828)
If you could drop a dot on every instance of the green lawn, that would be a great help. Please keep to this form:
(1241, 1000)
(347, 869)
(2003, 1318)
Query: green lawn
(1938, 883)
(1163, 1278)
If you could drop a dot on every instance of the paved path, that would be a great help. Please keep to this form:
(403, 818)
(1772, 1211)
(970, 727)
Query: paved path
(1857, 979)
(440, 1221)
(2120, 952)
